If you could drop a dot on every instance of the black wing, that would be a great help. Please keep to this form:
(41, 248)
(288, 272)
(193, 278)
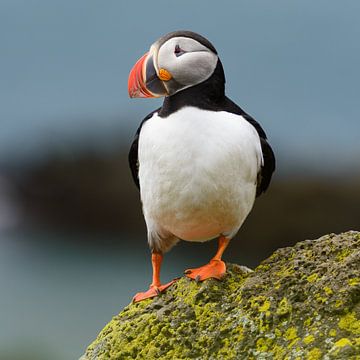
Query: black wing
(133, 153)
(267, 169)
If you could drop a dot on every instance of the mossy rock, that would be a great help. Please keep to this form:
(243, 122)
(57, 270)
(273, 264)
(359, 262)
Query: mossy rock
(300, 303)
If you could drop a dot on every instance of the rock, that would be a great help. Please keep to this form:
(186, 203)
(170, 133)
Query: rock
(300, 303)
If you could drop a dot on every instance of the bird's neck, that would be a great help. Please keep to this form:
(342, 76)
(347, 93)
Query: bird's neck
(208, 95)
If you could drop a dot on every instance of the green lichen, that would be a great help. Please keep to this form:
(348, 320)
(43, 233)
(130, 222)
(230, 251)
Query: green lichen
(320, 299)
(353, 282)
(328, 290)
(265, 306)
(344, 253)
(343, 342)
(291, 333)
(284, 307)
(350, 323)
(339, 303)
(314, 354)
(309, 339)
(313, 277)
(300, 303)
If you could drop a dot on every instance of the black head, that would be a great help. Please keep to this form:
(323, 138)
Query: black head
(176, 62)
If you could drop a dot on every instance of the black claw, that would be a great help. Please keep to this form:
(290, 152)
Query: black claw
(157, 291)
(197, 278)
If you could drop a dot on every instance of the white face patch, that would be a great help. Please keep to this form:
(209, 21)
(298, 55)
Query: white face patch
(193, 65)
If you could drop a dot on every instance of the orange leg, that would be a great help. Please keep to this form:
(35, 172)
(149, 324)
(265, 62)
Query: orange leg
(216, 268)
(155, 288)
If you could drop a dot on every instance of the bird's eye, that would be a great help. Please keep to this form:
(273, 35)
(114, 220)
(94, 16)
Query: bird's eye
(178, 51)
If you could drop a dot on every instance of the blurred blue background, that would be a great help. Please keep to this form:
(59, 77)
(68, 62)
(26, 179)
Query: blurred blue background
(72, 240)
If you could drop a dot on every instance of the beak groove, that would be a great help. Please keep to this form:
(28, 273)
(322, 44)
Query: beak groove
(144, 81)
(136, 83)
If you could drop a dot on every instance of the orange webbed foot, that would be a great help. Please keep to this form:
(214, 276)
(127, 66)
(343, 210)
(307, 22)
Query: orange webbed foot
(152, 292)
(214, 269)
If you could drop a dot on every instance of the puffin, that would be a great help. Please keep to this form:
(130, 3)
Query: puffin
(199, 160)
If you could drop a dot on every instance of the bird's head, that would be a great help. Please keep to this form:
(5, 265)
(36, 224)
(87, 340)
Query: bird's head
(176, 61)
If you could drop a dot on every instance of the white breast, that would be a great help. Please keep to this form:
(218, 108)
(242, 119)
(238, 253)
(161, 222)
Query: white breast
(198, 172)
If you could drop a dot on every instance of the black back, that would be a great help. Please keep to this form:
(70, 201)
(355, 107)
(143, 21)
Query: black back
(133, 153)
(209, 95)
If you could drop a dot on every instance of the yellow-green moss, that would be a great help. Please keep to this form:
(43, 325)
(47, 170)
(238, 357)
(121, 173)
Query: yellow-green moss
(328, 290)
(314, 354)
(291, 333)
(339, 303)
(309, 339)
(313, 277)
(350, 323)
(343, 254)
(284, 307)
(265, 306)
(301, 303)
(343, 342)
(320, 299)
(264, 344)
(354, 281)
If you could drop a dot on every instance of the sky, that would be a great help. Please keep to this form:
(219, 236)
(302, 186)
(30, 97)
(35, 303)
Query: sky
(294, 66)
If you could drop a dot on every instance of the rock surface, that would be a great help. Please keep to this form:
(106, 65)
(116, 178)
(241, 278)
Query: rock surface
(300, 303)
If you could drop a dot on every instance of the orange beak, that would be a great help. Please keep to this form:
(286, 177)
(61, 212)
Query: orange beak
(144, 81)
(136, 83)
